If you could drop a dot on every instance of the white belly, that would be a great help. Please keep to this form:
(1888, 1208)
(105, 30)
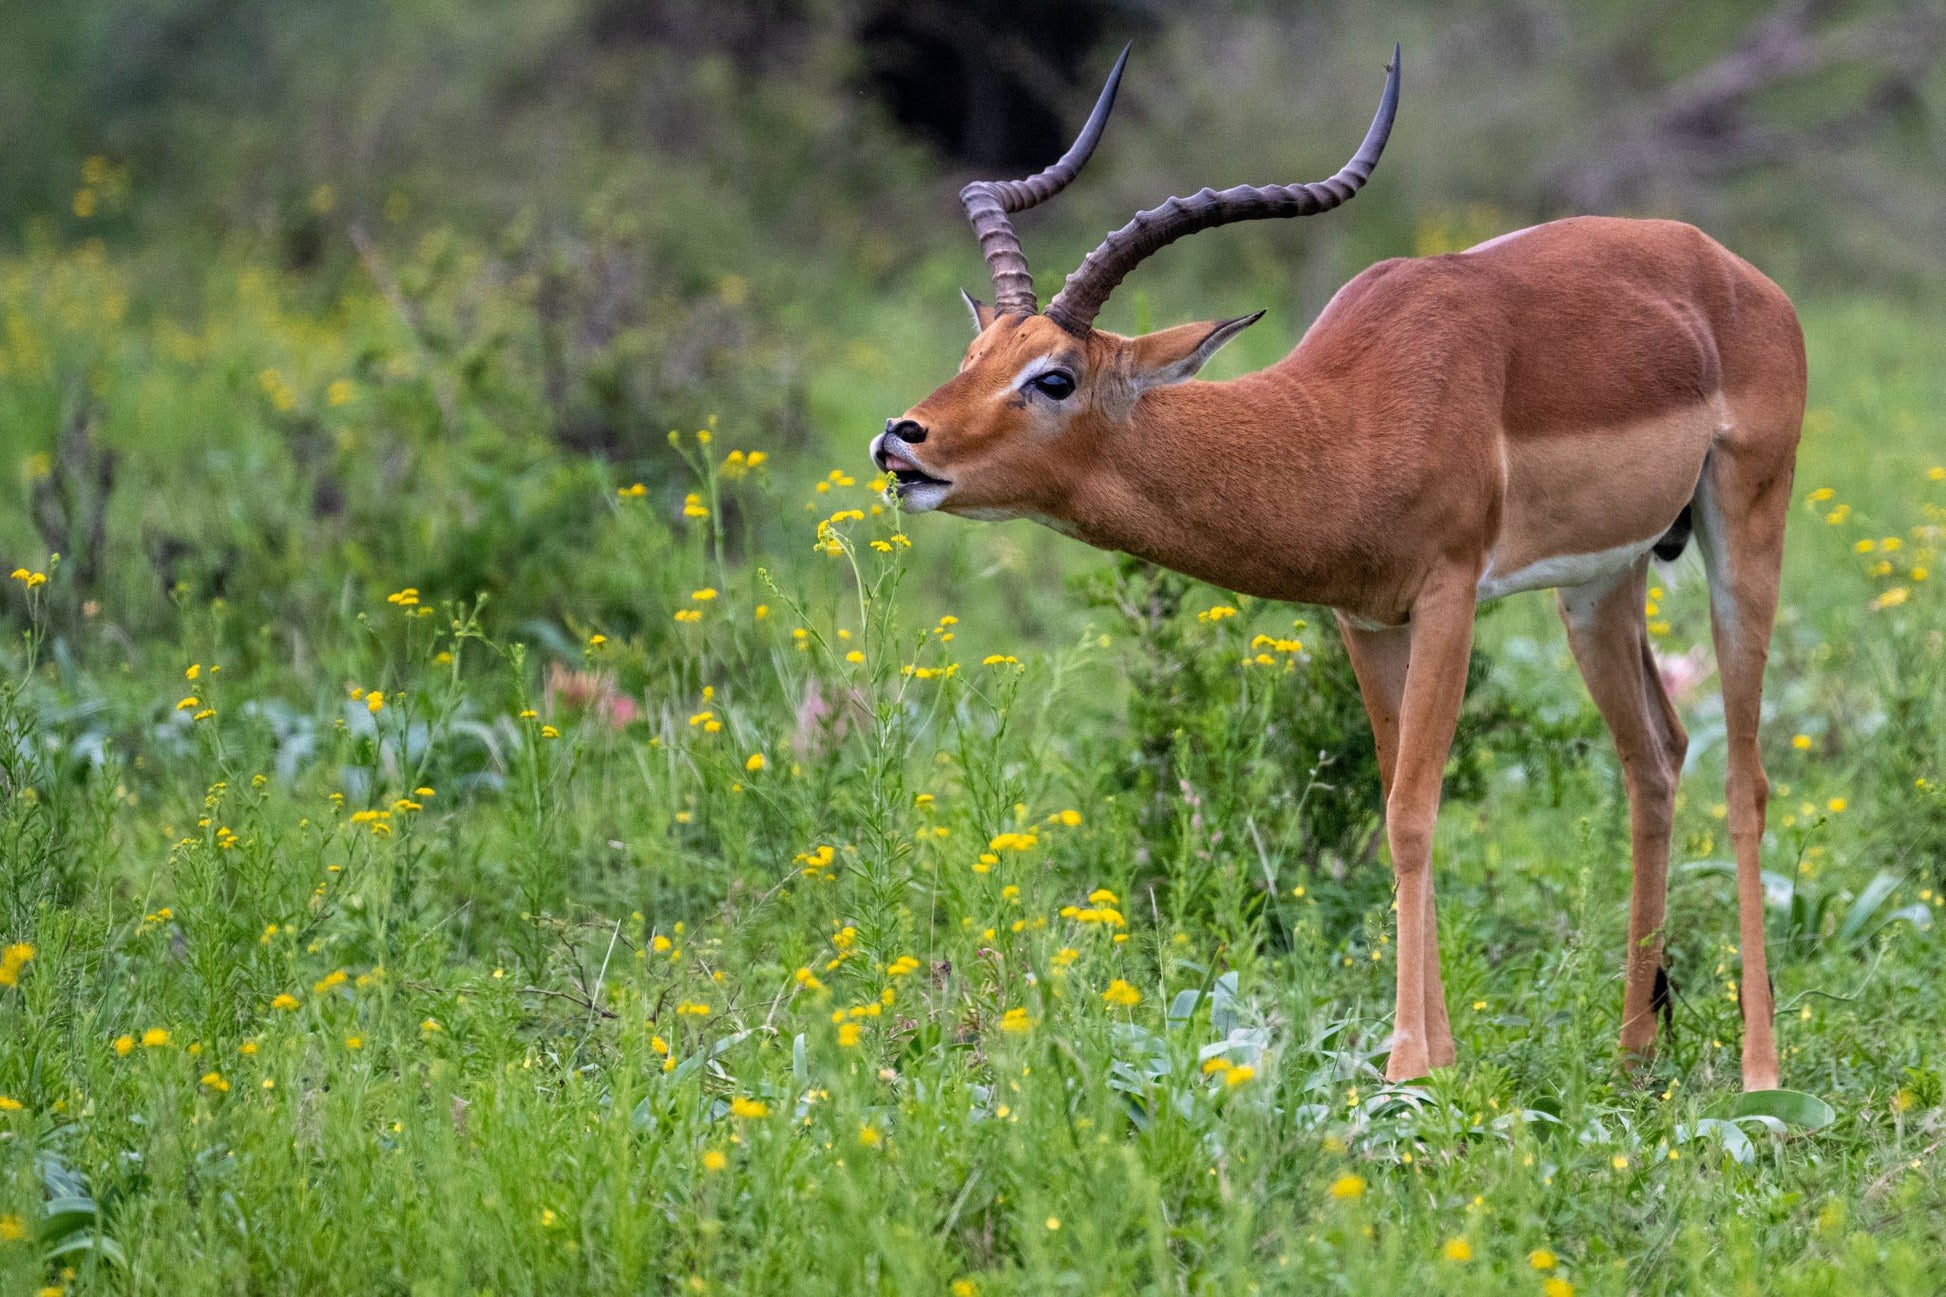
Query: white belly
(1559, 570)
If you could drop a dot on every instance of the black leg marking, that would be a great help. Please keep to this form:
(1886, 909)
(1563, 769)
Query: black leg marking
(1662, 1001)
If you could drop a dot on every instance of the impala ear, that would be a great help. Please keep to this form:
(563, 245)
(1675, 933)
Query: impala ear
(1175, 355)
(982, 313)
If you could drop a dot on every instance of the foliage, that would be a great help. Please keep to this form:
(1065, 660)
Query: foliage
(712, 899)
(458, 835)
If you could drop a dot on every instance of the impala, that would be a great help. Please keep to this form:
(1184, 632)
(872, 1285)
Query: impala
(1546, 410)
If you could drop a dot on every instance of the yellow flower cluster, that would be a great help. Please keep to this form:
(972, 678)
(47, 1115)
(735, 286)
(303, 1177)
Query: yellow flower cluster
(1100, 909)
(14, 958)
(1263, 647)
(830, 541)
(1348, 1187)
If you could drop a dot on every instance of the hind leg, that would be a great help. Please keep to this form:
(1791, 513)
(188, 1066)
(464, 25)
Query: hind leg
(1743, 502)
(1611, 646)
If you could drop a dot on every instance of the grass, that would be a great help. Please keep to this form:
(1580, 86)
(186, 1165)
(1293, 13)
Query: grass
(749, 896)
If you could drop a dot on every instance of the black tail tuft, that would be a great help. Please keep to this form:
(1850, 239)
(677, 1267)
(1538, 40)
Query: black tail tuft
(1670, 547)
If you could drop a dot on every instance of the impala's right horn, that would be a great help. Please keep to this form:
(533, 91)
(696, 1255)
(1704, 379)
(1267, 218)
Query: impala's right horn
(988, 203)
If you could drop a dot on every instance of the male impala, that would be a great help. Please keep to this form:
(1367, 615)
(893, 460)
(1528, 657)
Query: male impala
(1547, 409)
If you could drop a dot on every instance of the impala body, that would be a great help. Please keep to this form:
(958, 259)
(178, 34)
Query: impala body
(1546, 410)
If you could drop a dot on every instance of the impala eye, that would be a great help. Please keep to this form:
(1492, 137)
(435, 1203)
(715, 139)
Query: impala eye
(1055, 384)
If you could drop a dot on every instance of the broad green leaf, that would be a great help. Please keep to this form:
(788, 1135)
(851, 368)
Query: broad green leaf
(1792, 1107)
(1865, 906)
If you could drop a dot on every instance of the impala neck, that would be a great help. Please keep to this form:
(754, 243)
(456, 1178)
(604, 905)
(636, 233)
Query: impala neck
(1246, 484)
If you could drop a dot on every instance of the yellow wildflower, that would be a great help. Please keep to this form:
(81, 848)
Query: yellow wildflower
(1348, 1186)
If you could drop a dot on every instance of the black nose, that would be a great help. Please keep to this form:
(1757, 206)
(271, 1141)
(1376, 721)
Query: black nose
(910, 431)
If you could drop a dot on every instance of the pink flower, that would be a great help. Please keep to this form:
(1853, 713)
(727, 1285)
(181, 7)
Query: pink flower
(589, 691)
(1684, 674)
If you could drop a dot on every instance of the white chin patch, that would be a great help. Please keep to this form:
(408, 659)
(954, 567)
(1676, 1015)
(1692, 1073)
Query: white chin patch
(921, 498)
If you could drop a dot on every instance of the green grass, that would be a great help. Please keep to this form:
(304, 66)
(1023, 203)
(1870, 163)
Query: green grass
(1062, 972)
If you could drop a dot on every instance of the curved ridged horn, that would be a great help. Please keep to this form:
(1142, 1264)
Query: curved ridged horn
(1074, 308)
(987, 203)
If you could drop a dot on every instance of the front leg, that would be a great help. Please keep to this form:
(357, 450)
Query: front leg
(1379, 656)
(1440, 645)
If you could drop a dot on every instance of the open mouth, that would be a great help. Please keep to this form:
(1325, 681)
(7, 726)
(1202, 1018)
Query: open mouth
(906, 475)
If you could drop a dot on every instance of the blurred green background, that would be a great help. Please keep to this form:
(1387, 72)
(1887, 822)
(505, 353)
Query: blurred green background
(293, 292)
(319, 320)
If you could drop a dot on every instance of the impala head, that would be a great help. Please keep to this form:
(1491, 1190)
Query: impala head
(1041, 395)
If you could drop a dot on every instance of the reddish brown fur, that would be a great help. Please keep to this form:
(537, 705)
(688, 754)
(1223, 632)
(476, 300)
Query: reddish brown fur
(1562, 392)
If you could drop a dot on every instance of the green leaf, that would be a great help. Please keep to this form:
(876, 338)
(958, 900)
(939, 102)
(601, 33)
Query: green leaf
(64, 1216)
(74, 1245)
(1792, 1107)
(1865, 906)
